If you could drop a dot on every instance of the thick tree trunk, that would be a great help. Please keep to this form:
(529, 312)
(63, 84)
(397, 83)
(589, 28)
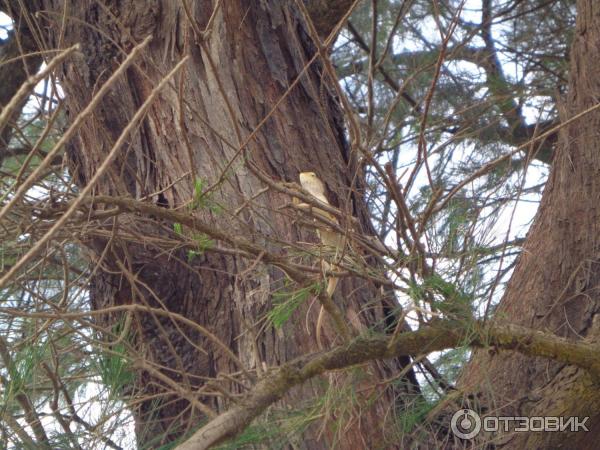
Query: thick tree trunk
(14, 71)
(234, 78)
(555, 284)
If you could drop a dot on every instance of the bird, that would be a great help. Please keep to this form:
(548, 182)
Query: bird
(313, 184)
(330, 238)
(332, 241)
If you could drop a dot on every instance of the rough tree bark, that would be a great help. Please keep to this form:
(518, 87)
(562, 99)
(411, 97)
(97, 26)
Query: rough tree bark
(14, 71)
(555, 284)
(235, 76)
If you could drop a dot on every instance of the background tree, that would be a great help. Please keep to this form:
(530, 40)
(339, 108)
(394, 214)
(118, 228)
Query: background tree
(200, 305)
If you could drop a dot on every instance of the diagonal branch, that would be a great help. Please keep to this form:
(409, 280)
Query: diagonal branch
(441, 335)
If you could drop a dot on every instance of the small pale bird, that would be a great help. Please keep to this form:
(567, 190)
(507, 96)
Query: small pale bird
(332, 241)
(330, 238)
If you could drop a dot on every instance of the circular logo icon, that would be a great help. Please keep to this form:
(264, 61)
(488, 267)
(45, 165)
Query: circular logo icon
(465, 423)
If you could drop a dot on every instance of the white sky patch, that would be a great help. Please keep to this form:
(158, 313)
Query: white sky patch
(5, 25)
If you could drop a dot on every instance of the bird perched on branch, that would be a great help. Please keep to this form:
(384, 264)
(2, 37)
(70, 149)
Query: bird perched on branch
(332, 241)
(330, 237)
(313, 184)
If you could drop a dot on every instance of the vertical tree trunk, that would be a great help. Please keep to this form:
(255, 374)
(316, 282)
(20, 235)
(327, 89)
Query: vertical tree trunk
(235, 77)
(555, 284)
(14, 71)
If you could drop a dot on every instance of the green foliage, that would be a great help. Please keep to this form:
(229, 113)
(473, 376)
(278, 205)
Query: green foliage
(202, 199)
(12, 165)
(252, 435)
(451, 362)
(178, 228)
(9, 254)
(113, 364)
(444, 296)
(113, 367)
(199, 199)
(204, 242)
(458, 219)
(23, 371)
(285, 303)
(277, 432)
(413, 415)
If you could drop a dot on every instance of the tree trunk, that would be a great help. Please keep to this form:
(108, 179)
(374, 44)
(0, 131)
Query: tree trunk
(555, 284)
(14, 71)
(210, 124)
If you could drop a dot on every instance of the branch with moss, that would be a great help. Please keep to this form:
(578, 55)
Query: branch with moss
(442, 335)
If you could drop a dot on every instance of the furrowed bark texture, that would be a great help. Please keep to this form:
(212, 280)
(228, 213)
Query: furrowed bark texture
(555, 284)
(233, 79)
(16, 65)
